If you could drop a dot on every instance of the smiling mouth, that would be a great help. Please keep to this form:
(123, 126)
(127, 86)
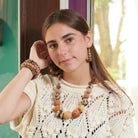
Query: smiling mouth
(65, 61)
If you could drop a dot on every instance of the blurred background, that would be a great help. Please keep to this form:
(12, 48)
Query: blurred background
(114, 24)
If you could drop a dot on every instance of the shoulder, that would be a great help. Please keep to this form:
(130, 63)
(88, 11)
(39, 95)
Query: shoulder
(45, 80)
(40, 83)
(118, 102)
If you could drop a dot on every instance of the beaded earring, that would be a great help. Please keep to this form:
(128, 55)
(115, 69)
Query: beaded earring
(33, 66)
(89, 55)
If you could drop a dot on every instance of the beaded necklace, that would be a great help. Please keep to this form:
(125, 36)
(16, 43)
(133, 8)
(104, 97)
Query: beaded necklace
(76, 112)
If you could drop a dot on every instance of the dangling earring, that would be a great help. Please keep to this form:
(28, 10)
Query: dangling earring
(89, 55)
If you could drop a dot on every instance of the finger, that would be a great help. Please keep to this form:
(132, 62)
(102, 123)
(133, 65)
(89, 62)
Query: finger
(41, 45)
(41, 50)
(44, 54)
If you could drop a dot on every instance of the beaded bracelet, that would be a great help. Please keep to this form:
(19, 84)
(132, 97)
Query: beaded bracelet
(33, 66)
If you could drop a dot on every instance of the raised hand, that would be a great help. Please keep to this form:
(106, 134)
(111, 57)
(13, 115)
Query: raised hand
(39, 54)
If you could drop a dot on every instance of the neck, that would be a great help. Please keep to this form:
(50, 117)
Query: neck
(78, 77)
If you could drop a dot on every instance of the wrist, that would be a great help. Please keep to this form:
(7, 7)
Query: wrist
(27, 72)
(32, 66)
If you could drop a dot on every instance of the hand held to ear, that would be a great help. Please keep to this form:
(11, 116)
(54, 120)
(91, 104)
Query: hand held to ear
(39, 54)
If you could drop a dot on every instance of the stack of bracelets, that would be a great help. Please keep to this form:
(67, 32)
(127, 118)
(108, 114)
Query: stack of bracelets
(33, 66)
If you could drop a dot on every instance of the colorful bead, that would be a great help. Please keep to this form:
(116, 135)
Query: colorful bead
(57, 108)
(58, 91)
(57, 102)
(89, 90)
(57, 96)
(84, 102)
(59, 114)
(93, 81)
(76, 113)
(67, 115)
(90, 83)
(58, 86)
(86, 95)
(81, 108)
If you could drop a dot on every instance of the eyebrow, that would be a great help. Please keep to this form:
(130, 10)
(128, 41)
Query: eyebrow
(63, 37)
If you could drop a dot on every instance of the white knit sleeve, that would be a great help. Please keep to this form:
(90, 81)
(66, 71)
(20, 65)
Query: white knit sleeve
(33, 89)
(120, 112)
(19, 122)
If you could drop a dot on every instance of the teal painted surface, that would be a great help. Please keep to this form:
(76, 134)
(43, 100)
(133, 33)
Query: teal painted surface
(9, 54)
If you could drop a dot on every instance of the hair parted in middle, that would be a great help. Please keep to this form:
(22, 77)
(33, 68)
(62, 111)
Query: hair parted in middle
(77, 22)
(70, 18)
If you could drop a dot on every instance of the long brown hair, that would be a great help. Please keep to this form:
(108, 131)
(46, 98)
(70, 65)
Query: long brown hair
(76, 21)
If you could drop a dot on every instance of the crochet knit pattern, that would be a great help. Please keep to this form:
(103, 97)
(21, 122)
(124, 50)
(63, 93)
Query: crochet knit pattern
(107, 115)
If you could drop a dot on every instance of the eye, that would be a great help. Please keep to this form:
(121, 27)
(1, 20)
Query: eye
(69, 40)
(52, 46)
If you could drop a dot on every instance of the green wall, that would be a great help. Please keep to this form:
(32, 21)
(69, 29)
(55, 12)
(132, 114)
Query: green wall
(9, 54)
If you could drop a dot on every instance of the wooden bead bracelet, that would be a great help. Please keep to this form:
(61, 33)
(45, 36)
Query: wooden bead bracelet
(33, 66)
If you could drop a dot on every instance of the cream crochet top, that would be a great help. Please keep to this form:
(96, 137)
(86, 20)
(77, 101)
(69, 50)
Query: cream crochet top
(106, 116)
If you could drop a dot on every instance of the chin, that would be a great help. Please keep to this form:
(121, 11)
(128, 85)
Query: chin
(69, 70)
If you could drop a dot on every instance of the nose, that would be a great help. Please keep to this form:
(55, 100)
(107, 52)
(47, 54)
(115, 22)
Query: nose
(62, 49)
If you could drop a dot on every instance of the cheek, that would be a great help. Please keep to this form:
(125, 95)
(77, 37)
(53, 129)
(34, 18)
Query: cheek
(50, 54)
(81, 51)
(53, 56)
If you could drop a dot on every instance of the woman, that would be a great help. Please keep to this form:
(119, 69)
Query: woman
(77, 99)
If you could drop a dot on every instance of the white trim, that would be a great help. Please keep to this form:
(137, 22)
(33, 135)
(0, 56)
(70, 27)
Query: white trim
(64, 4)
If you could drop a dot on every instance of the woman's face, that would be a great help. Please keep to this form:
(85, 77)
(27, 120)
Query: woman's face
(67, 47)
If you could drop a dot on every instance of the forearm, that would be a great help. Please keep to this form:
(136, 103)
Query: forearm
(11, 94)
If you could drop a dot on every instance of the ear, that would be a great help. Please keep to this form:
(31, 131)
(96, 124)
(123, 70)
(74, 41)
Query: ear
(88, 38)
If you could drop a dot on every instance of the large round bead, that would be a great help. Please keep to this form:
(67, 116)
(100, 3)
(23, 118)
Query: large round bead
(57, 102)
(76, 113)
(59, 114)
(67, 115)
(86, 95)
(81, 108)
(84, 101)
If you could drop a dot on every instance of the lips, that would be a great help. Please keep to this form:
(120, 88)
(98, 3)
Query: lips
(65, 61)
